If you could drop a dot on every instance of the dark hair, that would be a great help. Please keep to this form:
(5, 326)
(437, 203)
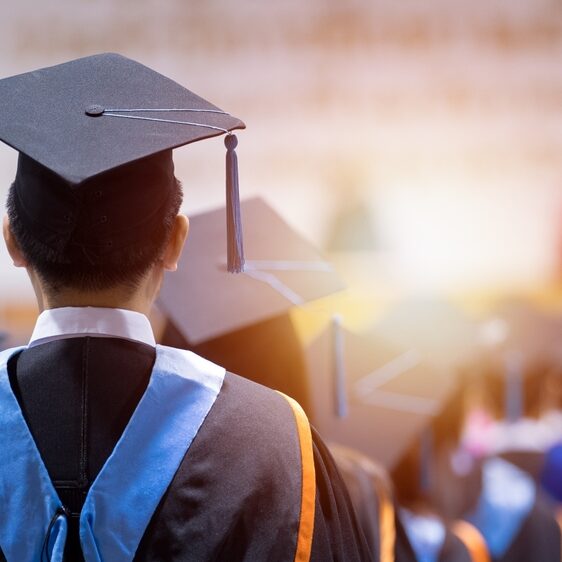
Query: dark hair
(123, 266)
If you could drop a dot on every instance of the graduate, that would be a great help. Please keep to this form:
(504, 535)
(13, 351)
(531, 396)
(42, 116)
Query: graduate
(372, 495)
(243, 322)
(113, 448)
(385, 404)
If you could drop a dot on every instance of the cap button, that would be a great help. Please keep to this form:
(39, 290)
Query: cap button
(95, 110)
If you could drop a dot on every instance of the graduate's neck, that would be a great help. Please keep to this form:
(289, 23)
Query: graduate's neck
(97, 299)
(138, 299)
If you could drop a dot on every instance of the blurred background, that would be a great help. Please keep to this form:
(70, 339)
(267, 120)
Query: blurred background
(441, 121)
(417, 143)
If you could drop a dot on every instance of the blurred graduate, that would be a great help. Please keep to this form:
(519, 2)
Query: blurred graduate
(114, 448)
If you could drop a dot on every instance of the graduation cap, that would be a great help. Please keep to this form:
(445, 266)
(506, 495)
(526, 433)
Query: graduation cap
(391, 396)
(435, 327)
(522, 328)
(401, 411)
(97, 133)
(282, 270)
(522, 342)
(241, 321)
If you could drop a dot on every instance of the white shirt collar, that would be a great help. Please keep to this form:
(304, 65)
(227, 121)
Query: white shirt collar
(71, 322)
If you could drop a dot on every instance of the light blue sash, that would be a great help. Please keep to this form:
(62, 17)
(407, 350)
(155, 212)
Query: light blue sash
(426, 534)
(121, 501)
(508, 495)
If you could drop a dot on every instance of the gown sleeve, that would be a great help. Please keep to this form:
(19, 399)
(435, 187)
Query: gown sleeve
(236, 495)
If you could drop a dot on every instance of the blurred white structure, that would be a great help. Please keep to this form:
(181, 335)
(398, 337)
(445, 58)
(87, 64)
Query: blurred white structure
(451, 109)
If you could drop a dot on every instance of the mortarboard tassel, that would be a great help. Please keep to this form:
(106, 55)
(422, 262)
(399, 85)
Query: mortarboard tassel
(514, 396)
(339, 367)
(235, 248)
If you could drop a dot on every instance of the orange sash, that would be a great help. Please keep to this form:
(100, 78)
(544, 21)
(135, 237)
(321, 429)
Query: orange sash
(308, 495)
(473, 540)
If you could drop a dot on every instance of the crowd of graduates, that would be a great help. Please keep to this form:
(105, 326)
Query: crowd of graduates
(446, 425)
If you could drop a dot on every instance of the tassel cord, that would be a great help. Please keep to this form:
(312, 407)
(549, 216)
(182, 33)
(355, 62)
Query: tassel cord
(235, 249)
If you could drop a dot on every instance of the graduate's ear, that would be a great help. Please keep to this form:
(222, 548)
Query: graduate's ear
(13, 247)
(175, 244)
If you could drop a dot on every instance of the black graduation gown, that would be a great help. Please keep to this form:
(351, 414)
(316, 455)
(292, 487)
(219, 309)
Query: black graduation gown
(268, 352)
(364, 481)
(227, 501)
(369, 490)
(538, 539)
(453, 549)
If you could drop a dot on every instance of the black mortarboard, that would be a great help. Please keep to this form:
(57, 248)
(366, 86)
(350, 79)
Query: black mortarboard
(523, 343)
(396, 405)
(110, 118)
(391, 395)
(241, 322)
(282, 270)
(435, 327)
(522, 328)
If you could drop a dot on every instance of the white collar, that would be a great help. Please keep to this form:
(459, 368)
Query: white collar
(71, 322)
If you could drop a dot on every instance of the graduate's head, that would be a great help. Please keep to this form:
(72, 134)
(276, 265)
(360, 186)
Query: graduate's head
(95, 198)
(107, 232)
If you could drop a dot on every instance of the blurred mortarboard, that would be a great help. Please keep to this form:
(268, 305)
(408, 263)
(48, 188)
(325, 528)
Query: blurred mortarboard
(282, 270)
(522, 343)
(434, 327)
(372, 397)
(516, 326)
(110, 118)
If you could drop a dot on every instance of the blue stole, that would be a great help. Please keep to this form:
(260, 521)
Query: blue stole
(508, 495)
(426, 534)
(121, 501)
